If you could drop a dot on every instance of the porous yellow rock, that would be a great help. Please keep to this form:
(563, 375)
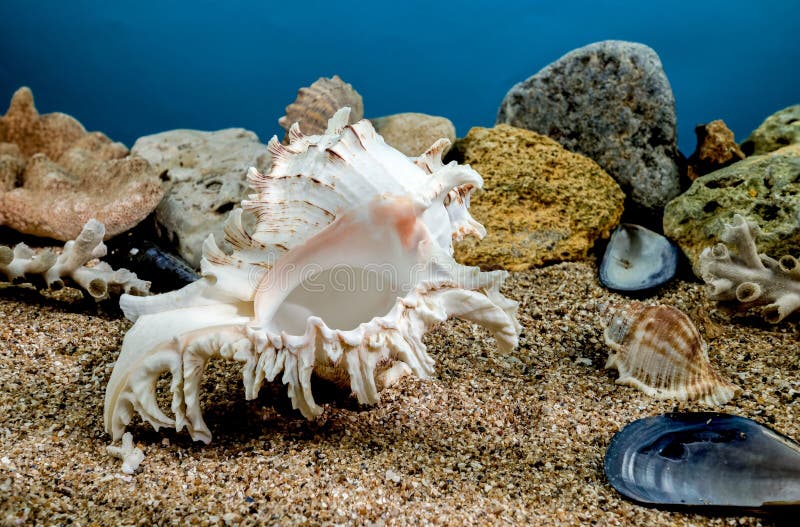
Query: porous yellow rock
(540, 203)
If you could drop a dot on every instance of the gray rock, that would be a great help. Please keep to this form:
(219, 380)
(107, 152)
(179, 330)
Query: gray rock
(778, 130)
(612, 102)
(205, 175)
(413, 133)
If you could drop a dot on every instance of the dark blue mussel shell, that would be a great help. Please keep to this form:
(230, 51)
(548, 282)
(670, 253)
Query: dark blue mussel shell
(637, 259)
(164, 270)
(704, 459)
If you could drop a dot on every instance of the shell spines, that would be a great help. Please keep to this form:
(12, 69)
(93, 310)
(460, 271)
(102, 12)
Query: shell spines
(341, 199)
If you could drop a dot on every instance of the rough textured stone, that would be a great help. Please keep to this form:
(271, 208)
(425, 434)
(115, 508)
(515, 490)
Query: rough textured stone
(764, 189)
(540, 203)
(12, 166)
(716, 148)
(55, 176)
(413, 133)
(778, 130)
(205, 175)
(612, 102)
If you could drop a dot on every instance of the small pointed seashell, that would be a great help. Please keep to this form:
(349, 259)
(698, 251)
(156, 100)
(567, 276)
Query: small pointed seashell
(704, 459)
(658, 350)
(637, 259)
(316, 104)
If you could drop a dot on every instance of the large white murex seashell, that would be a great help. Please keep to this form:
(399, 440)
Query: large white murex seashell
(334, 207)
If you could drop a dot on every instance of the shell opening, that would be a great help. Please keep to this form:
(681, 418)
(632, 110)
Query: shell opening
(772, 314)
(348, 274)
(343, 296)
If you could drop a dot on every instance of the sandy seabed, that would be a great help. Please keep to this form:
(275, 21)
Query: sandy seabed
(494, 439)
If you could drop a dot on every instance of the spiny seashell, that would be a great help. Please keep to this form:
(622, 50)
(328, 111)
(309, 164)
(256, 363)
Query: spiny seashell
(658, 350)
(319, 102)
(637, 259)
(334, 207)
(704, 459)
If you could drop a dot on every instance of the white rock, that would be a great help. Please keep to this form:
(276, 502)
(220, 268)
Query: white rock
(205, 175)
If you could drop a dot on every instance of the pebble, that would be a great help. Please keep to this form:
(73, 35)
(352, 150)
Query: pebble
(540, 203)
(413, 133)
(778, 130)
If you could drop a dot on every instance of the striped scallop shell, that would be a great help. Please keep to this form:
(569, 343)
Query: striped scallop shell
(659, 350)
(317, 103)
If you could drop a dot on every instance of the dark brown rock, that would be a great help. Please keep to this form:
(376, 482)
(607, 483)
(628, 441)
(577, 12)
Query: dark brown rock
(716, 148)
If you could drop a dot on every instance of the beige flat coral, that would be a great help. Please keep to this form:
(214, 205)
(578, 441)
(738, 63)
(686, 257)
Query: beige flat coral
(55, 176)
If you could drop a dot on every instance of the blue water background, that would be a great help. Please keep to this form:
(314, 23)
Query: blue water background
(135, 68)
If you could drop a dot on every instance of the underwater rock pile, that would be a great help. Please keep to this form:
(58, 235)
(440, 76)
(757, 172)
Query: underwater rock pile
(764, 189)
(342, 194)
(610, 101)
(205, 177)
(540, 204)
(55, 176)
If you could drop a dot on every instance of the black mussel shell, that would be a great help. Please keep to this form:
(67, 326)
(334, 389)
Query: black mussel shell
(637, 259)
(165, 271)
(704, 459)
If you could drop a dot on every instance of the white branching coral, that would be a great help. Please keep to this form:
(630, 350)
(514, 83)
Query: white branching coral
(21, 264)
(348, 267)
(750, 278)
(131, 455)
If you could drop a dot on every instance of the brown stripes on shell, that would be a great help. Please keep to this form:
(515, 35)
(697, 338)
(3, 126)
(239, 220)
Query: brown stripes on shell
(266, 179)
(352, 129)
(644, 338)
(317, 103)
(333, 155)
(218, 257)
(458, 194)
(326, 212)
(431, 159)
(659, 328)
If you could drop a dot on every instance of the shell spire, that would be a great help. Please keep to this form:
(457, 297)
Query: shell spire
(317, 104)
